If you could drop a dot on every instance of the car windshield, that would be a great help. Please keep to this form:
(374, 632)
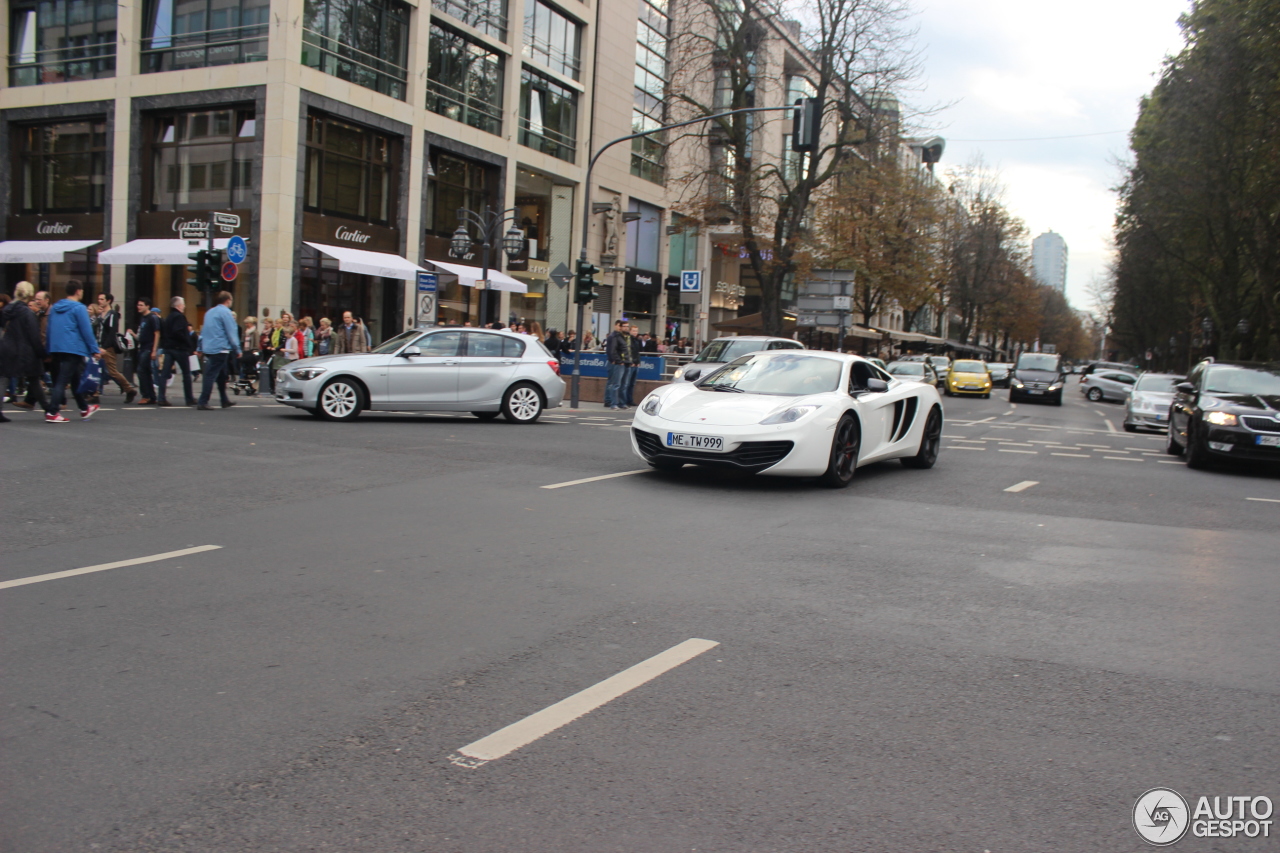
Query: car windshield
(969, 367)
(727, 349)
(398, 341)
(907, 368)
(1157, 384)
(940, 361)
(1037, 361)
(1243, 380)
(789, 375)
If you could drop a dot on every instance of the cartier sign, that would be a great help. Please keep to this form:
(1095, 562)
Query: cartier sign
(351, 235)
(336, 231)
(167, 224)
(87, 226)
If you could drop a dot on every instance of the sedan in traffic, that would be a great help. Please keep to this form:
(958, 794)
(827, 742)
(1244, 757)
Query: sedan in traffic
(917, 371)
(1108, 385)
(1148, 405)
(487, 373)
(968, 376)
(793, 414)
(1226, 411)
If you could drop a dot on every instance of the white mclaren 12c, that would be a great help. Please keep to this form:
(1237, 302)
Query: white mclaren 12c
(791, 413)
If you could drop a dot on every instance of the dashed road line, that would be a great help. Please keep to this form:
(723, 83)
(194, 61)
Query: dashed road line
(1122, 459)
(594, 479)
(1265, 500)
(1170, 461)
(1023, 486)
(1110, 426)
(102, 567)
(524, 732)
(963, 447)
(1073, 455)
(1032, 452)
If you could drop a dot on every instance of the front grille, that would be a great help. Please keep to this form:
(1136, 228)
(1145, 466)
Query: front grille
(756, 455)
(1262, 424)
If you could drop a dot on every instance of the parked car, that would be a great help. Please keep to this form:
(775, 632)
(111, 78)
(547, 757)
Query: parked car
(721, 351)
(487, 373)
(1037, 376)
(999, 373)
(916, 371)
(1226, 410)
(968, 376)
(1108, 385)
(941, 366)
(1094, 366)
(1149, 403)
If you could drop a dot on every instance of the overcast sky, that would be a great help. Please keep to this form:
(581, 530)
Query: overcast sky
(1015, 70)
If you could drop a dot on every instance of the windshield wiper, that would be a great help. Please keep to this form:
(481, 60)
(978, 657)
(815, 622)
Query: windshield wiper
(727, 388)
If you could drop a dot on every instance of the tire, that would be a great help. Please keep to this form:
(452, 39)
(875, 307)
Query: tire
(486, 416)
(1197, 453)
(1095, 395)
(930, 441)
(522, 404)
(1171, 443)
(1012, 397)
(843, 460)
(665, 465)
(341, 399)
(1128, 427)
(986, 396)
(1057, 401)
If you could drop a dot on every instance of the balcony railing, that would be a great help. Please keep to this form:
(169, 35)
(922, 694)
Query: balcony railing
(548, 141)
(63, 64)
(459, 106)
(227, 46)
(348, 63)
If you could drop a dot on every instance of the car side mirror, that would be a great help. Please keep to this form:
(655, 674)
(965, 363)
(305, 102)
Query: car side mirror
(1185, 388)
(876, 386)
(693, 374)
(410, 352)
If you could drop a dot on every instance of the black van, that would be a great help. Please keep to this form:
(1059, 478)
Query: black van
(1037, 376)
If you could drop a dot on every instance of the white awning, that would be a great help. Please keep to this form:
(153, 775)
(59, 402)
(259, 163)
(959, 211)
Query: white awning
(156, 251)
(40, 251)
(370, 263)
(468, 276)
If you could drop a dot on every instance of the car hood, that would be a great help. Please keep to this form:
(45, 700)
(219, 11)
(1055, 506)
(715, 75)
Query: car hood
(330, 360)
(1156, 397)
(1036, 375)
(1266, 402)
(968, 377)
(692, 405)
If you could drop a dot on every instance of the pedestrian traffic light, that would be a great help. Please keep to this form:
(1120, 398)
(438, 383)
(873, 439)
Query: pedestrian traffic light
(806, 124)
(207, 269)
(584, 290)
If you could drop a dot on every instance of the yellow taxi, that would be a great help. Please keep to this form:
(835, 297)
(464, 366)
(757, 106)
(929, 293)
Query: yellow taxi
(969, 376)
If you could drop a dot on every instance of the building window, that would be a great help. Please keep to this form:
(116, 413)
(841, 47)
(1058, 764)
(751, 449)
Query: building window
(61, 168)
(683, 245)
(56, 42)
(457, 183)
(201, 160)
(648, 153)
(643, 236)
(487, 16)
(350, 171)
(548, 116)
(551, 39)
(464, 80)
(364, 41)
(198, 33)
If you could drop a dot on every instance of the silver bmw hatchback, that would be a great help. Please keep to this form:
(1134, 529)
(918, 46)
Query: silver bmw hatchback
(482, 371)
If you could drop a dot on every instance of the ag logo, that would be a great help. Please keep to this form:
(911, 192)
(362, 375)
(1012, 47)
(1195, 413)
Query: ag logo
(1161, 816)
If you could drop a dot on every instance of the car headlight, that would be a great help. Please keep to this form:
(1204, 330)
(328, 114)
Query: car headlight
(679, 372)
(1055, 386)
(1221, 418)
(651, 404)
(789, 416)
(307, 373)
(1015, 383)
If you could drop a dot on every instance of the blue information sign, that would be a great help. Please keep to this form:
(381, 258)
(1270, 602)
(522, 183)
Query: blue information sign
(691, 281)
(426, 282)
(237, 250)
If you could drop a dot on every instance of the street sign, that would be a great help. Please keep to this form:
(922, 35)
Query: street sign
(193, 229)
(819, 319)
(809, 302)
(562, 274)
(842, 303)
(427, 282)
(230, 271)
(227, 222)
(237, 250)
(691, 281)
(426, 306)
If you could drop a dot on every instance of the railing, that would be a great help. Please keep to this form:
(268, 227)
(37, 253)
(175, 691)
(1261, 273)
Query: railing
(548, 141)
(487, 17)
(348, 63)
(553, 57)
(63, 64)
(226, 46)
(459, 106)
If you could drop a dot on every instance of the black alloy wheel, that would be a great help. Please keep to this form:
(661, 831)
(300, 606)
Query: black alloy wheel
(1171, 444)
(486, 416)
(930, 441)
(845, 447)
(1197, 451)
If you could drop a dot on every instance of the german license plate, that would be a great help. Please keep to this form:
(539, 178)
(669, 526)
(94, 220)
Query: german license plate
(1035, 392)
(1269, 440)
(685, 441)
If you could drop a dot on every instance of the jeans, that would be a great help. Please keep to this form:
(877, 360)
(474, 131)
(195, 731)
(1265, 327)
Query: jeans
(216, 365)
(183, 360)
(68, 368)
(613, 385)
(629, 384)
(146, 376)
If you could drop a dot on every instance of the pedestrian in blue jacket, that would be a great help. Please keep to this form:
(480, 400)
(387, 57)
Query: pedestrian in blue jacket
(71, 341)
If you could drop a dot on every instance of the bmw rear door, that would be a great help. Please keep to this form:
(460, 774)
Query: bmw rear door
(487, 366)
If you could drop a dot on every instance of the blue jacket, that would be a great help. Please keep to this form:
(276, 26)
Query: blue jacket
(219, 333)
(70, 330)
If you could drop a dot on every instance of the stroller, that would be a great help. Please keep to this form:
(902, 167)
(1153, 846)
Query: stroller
(247, 376)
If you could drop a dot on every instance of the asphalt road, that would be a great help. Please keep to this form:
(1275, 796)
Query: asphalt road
(924, 661)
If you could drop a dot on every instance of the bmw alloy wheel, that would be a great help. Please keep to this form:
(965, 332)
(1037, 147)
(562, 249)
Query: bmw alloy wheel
(523, 404)
(340, 400)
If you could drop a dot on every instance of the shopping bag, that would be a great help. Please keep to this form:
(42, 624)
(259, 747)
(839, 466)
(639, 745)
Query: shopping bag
(90, 377)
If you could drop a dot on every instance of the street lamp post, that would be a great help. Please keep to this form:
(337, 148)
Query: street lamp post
(488, 224)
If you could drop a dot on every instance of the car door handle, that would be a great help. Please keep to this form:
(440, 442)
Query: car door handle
(449, 363)
(509, 362)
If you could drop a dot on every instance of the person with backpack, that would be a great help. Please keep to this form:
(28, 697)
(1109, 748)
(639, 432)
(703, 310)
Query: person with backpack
(71, 341)
(110, 340)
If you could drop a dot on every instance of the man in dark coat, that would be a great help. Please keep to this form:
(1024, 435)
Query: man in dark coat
(21, 349)
(175, 340)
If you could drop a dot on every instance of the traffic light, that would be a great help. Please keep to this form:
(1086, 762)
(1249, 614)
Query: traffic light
(584, 290)
(207, 270)
(806, 124)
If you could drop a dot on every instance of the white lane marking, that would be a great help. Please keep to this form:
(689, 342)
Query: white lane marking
(1073, 455)
(1169, 461)
(1032, 452)
(1122, 459)
(1099, 446)
(53, 576)
(1265, 500)
(963, 447)
(983, 421)
(524, 732)
(1025, 484)
(593, 479)
(1010, 412)
(1110, 426)
(969, 440)
(1008, 443)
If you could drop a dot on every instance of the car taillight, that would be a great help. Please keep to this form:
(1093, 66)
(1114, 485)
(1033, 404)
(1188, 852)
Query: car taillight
(554, 365)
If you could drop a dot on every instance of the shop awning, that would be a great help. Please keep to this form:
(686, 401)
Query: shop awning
(860, 332)
(155, 251)
(370, 263)
(40, 251)
(754, 323)
(468, 276)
